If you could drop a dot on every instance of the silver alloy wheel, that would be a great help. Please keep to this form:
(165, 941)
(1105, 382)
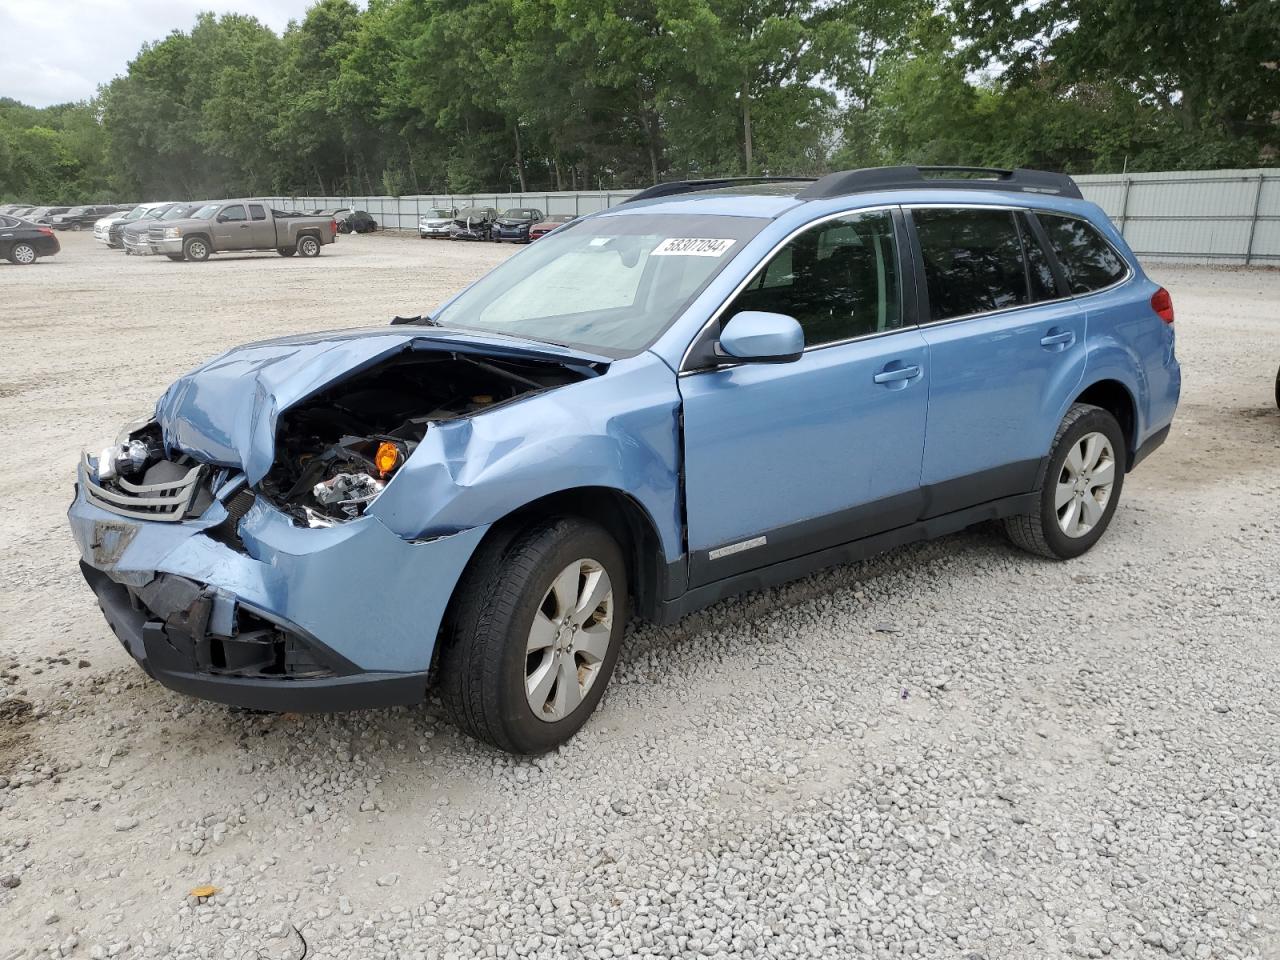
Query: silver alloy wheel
(568, 640)
(308, 247)
(197, 250)
(1084, 485)
(24, 253)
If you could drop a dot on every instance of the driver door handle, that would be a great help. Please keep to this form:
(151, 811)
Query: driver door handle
(896, 374)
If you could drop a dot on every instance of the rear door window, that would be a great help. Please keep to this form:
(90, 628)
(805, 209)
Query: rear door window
(973, 261)
(1089, 262)
(257, 212)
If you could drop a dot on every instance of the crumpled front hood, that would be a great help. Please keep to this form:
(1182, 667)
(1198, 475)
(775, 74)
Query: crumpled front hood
(225, 411)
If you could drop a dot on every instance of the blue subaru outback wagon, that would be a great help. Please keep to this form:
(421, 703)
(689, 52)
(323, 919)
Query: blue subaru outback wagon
(715, 387)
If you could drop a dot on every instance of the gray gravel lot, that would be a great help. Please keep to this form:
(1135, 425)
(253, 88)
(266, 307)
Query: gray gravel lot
(953, 750)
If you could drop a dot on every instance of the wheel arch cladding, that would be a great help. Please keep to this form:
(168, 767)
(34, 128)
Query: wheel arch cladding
(1114, 397)
(617, 512)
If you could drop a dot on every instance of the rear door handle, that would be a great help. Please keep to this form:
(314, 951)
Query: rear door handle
(896, 374)
(1062, 337)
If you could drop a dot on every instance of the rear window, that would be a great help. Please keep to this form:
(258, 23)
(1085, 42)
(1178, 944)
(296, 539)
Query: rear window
(973, 261)
(257, 212)
(1089, 262)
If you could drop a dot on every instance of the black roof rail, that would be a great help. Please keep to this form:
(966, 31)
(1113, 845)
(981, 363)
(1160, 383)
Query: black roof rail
(1018, 179)
(676, 187)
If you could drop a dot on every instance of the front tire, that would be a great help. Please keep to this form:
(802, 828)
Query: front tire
(1080, 487)
(22, 253)
(196, 249)
(286, 251)
(175, 257)
(534, 635)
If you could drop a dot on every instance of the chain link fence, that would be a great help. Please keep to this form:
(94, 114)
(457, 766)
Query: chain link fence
(1209, 216)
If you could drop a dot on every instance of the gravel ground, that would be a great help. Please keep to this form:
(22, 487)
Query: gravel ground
(953, 750)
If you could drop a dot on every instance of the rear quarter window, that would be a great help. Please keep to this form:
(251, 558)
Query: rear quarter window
(1089, 262)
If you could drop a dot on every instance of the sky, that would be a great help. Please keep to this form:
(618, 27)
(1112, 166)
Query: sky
(59, 50)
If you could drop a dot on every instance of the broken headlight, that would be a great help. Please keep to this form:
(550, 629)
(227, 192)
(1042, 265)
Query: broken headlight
(339, 482)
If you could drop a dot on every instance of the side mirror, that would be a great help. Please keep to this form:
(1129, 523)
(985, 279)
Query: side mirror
(222, 218)
(758, 337)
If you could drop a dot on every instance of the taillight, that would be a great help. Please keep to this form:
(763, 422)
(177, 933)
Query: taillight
(47, 231)
(333, 227)
(1162, 304)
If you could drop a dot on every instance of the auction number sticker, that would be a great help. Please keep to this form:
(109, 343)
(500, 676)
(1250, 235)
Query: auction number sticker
(692, 247)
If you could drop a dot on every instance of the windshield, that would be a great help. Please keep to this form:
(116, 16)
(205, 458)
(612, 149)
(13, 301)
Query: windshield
(38, 212)
(473, 213)
(205, 212)
(610, 284)
(516, 213)
(77, 211)
(437, 214)
(134, 214)
(155, 213)
(178, 212)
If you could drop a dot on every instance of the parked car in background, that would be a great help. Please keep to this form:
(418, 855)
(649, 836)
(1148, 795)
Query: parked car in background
(236, 225)
(435, 222)
(700, 392)
(80, 218)
(103, 228)
(151, 211)
(546, 225)
(355, 221)
(42, 215)
(24, 242)
(136, 236)
(19, 211)
(513, 225)
(473, 223)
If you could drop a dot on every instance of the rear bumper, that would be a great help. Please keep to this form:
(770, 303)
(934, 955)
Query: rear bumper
(268, 615)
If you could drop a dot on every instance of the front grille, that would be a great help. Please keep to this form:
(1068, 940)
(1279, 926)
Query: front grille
(155, 233)
(167, 500)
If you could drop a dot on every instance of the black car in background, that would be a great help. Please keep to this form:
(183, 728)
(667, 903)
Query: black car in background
(513, 225)
(43, 214)
(473, 223)
(355, 221)
(80, 218)
(24, 242)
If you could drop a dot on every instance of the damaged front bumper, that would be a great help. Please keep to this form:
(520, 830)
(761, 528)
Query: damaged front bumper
(258, 612)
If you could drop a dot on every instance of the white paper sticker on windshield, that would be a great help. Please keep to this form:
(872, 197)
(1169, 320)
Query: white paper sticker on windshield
(691, 247)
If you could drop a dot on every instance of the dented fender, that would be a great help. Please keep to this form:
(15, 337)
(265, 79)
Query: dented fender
(619, 431)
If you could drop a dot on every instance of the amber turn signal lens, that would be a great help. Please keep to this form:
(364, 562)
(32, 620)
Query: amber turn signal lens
(387, 458)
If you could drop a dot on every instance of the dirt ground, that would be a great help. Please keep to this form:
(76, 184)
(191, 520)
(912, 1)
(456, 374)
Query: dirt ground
(1154, 659)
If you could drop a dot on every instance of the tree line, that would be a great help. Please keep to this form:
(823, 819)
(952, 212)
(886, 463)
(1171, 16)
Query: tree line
(458, 96)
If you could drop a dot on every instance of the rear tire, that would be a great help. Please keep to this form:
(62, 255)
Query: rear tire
(534, 635)
(1080, 488)
(309, 246)
(196, 249)
(22, 253)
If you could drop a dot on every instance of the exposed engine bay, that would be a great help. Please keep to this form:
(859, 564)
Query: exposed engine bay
(335, 452)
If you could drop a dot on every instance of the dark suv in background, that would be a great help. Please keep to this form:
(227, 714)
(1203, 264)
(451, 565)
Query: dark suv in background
(81, 218)
(514, 224)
